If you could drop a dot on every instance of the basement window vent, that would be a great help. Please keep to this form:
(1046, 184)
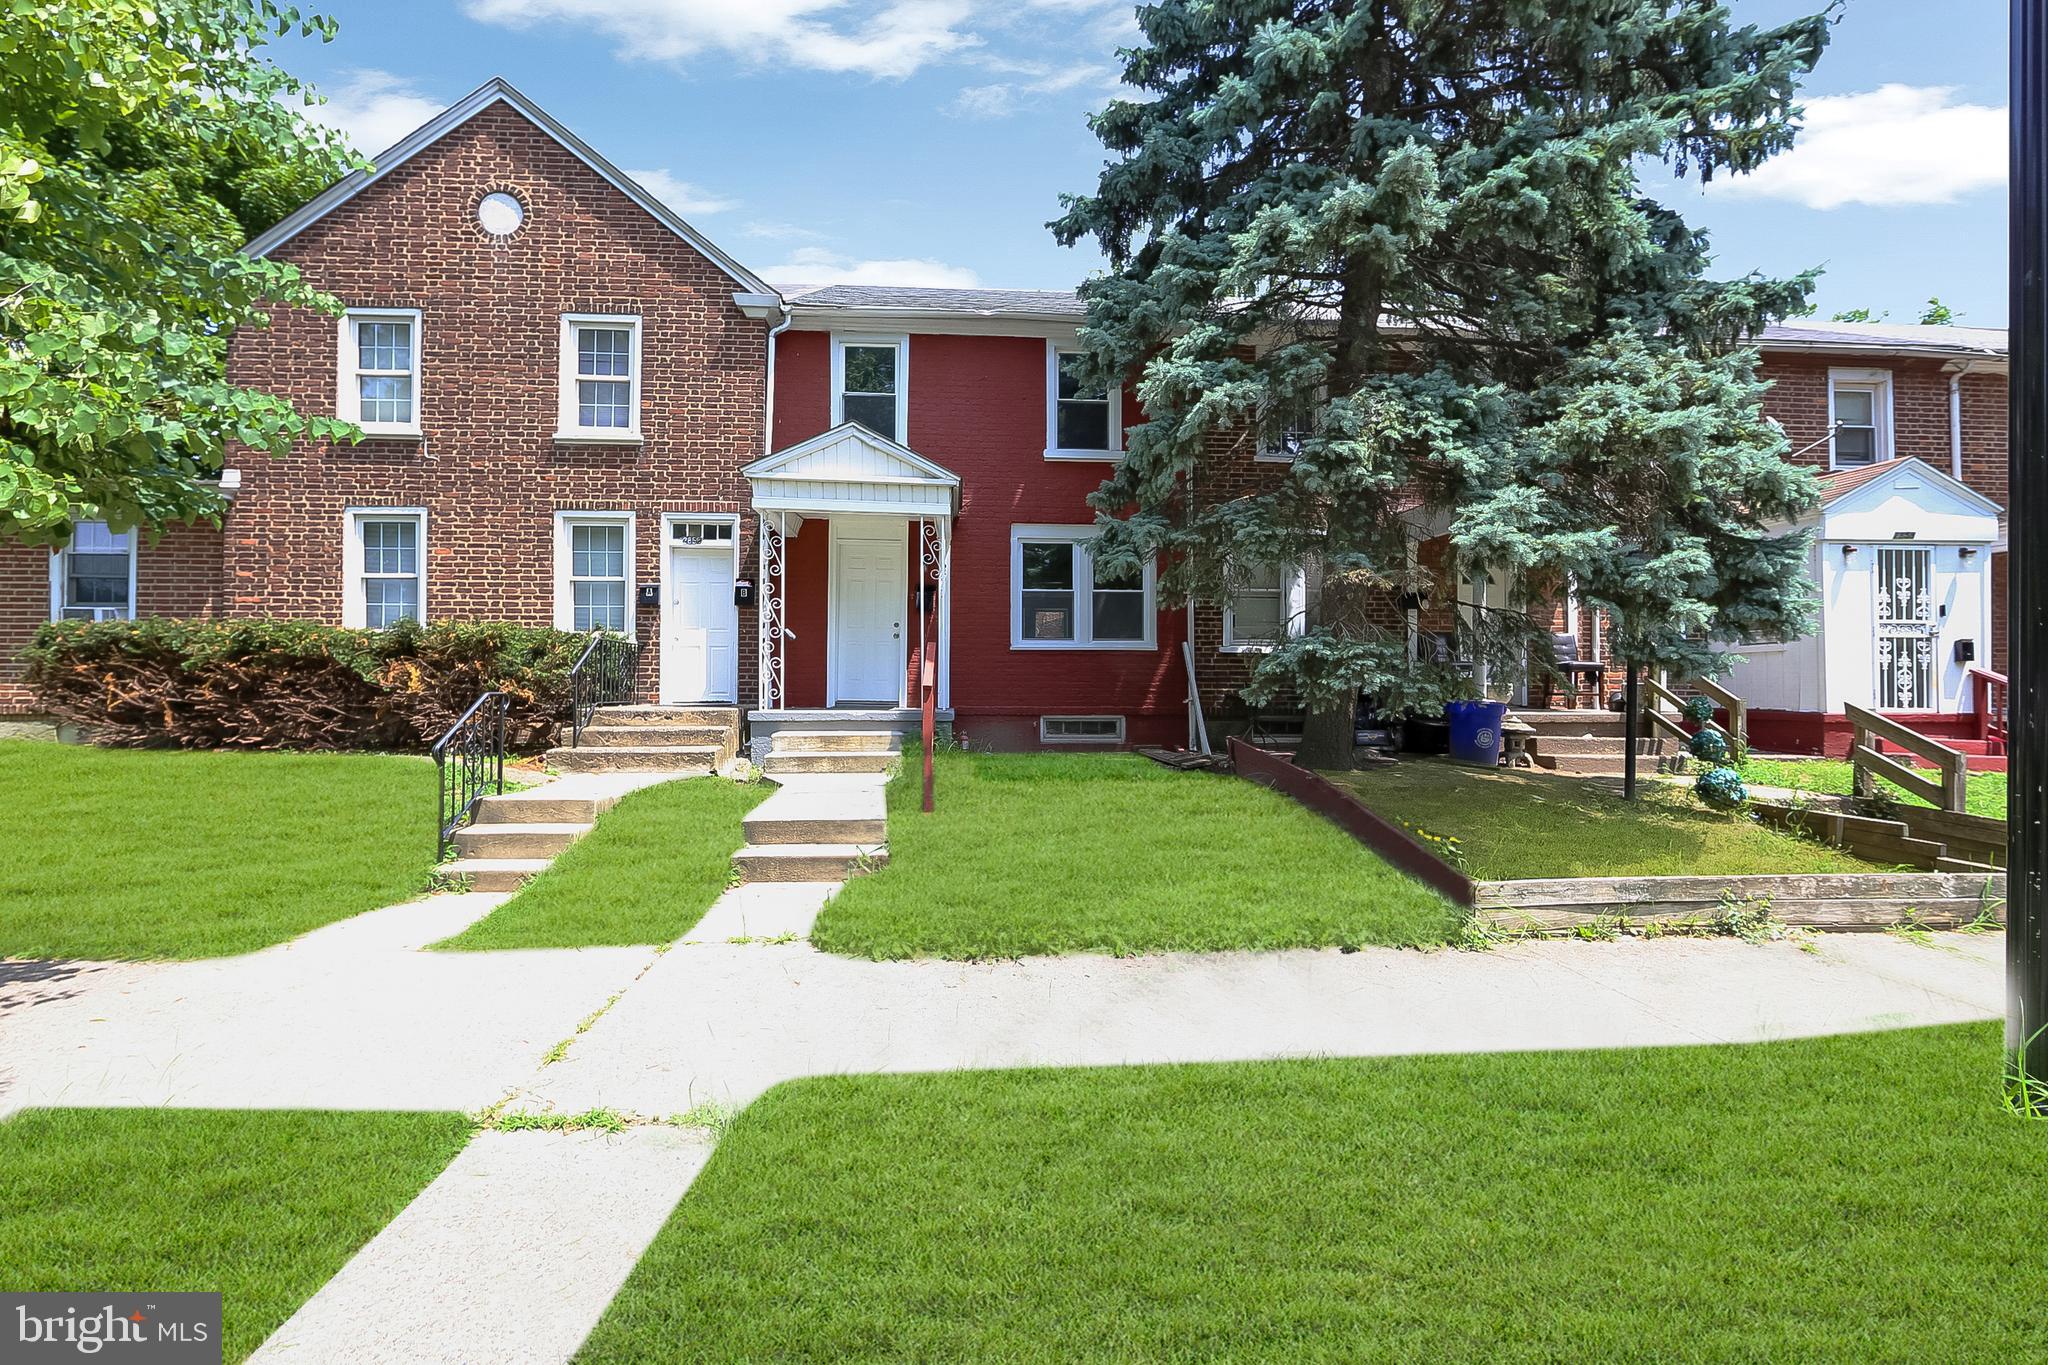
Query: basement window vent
(1080, 729)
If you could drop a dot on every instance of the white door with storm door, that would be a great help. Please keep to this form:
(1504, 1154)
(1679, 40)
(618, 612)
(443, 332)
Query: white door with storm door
(700, 624)
(867, 618)
(1909, 607)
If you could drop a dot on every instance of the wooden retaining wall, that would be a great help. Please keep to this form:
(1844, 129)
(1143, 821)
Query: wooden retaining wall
(1841, 901)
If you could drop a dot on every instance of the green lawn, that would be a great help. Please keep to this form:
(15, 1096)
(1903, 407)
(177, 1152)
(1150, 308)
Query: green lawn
(1984, 795)
(1067, 853)
(262, 1205)
(123, 853)
(645, 874)
(1514, 822)
(1853, 1199)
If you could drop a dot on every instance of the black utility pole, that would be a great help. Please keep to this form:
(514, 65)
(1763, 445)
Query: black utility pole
(1631, 727)
(2026, 1023)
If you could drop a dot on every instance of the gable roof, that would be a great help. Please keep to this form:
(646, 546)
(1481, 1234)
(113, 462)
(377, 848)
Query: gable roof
(1838, 484)
(850, 468)
(1807, 334)
(498, 90)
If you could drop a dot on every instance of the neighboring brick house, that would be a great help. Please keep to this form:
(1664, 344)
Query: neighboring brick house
(575, 401)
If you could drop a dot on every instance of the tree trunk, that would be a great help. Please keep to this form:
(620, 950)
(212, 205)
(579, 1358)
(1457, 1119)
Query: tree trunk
(1328, 739)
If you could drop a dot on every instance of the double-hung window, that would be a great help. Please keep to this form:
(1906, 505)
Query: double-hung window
(379, 386)
(1083, 418)
(1860, 415)
(600, 398)
(869, 384)
(1264, 607)
(1059, 599)
(594, 571)
(93, 578)
(384, 578)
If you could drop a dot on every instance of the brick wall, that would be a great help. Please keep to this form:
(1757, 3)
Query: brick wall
(1798, 398)
(489, 471)
(177, 575)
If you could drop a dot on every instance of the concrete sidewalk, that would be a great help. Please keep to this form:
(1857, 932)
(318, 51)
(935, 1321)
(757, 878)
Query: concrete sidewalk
(350, 1016)
(723, 1023)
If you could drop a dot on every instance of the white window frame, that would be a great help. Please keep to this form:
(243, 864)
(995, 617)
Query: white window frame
(901, 343)
(565, 595)
(568, 413)
(1046, 737)
(1878, 384)
(1084, 593)
(348, 396)
(1293, 608)
(1115, 452)
(59, 572)
(354, 610)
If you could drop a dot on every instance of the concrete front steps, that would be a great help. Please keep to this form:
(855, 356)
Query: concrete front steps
(1589, 743)
(827, 820)
(668, 739)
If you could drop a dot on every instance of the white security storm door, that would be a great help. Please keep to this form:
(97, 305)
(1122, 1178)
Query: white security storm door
(700, 627)
(867, 619)
(1908, 628)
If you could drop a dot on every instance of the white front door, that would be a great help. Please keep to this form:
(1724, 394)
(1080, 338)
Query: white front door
(700, 629)
(867, 617)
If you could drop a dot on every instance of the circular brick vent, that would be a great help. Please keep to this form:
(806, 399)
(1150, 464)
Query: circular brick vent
(500, 214)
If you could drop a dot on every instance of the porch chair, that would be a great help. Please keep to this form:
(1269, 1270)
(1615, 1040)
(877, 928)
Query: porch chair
(1577, 671)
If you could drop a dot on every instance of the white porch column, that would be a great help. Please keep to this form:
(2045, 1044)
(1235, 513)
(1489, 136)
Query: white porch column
(770, 613)
(946, 614)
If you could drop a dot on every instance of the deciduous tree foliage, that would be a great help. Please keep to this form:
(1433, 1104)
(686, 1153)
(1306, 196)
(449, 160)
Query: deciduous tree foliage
(1412, 234)
(141, 142)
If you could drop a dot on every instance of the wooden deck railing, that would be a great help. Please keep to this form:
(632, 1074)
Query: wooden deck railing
(1870, 765)
(1736, 732)
(1991, 696)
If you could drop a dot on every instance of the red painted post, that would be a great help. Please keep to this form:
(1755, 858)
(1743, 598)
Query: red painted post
(928, 694)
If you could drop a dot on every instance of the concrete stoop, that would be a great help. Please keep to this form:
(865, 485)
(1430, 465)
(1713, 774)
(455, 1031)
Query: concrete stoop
(1589, 744)
(827, 820)
(516, 835)
(670, 739)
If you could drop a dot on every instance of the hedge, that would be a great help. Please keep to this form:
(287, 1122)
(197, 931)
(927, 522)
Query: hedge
(257, 683)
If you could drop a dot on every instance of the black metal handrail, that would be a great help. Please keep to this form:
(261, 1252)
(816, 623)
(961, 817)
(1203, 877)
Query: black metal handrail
(476, 746)
(602, 676)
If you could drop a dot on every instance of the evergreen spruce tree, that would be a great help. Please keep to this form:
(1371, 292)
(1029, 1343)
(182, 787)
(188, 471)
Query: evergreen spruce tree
(1410, 235)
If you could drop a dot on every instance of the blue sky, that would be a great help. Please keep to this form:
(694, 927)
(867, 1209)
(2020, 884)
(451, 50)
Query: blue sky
(928, 141)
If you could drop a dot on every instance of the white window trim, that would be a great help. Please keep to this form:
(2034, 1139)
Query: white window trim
(567, 410)
(1052, 412)
(565, 598)
(1045, 738)
(1879, 384)
(901, 343)
(57, 580)
(1084, 594)
(1294, 606)
(354, 612)
(348, 397)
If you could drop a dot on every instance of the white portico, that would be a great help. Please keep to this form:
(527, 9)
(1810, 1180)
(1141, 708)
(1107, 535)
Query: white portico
(878, 590)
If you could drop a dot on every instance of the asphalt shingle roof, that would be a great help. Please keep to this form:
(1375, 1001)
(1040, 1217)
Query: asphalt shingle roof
(968, 302)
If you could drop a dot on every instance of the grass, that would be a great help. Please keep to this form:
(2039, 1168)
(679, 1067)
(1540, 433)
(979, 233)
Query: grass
(1512, 823)
(1852, 1199)
(1068, 853)
(122, 853)
(262, 1205)
(645, 874)
(1983, 795)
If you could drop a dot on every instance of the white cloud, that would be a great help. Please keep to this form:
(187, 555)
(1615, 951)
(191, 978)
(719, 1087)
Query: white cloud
(1895, 145)
(374, 109)
(812, 265)
(892, 38)
(680, 195)
(782, 232)
(984, 101)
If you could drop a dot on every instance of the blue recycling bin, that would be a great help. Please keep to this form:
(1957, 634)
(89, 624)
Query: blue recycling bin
(1475, 731)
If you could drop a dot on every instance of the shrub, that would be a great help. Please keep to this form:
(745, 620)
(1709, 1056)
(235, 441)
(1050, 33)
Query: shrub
(1699, 710)
(1708, 746)
(1721, 789)
(269, 684)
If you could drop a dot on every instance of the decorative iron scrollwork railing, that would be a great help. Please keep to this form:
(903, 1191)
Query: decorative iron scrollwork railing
(602, 676)
(469, 763)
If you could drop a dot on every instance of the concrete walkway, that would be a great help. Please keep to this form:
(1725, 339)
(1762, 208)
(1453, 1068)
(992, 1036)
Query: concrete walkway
(350, 1016)
(510, 1255)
